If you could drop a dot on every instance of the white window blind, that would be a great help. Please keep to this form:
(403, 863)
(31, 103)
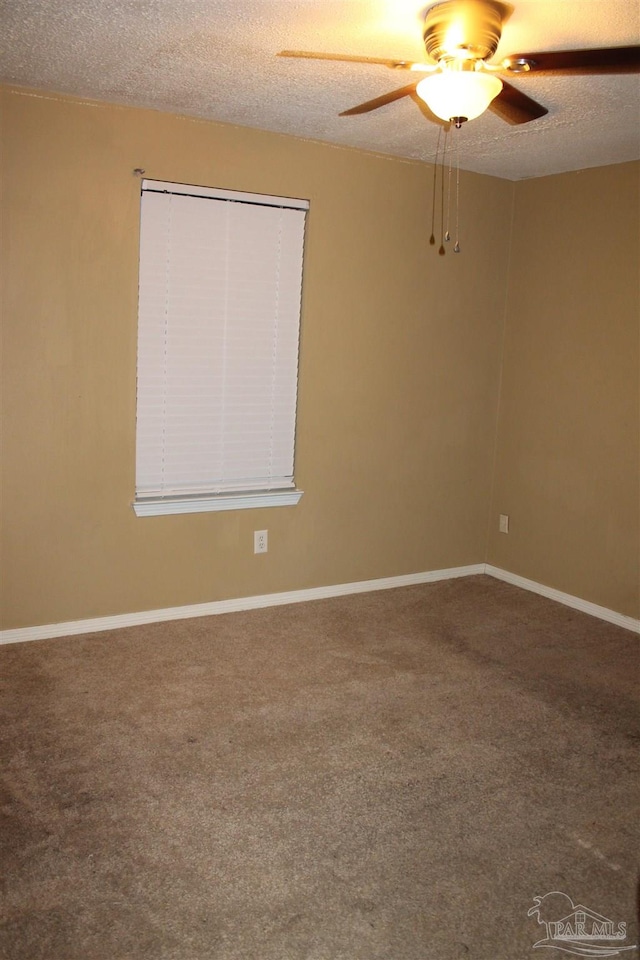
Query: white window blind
(218, 331)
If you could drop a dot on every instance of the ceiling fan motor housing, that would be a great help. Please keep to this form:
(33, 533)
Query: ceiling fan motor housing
(464, 29)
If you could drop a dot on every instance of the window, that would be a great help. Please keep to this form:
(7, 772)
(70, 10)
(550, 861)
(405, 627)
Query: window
(218, 331)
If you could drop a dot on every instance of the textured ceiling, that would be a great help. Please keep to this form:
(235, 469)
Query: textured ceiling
(217, 59)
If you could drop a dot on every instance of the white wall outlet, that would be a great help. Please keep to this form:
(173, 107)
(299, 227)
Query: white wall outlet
(260, 541)
(504, 523)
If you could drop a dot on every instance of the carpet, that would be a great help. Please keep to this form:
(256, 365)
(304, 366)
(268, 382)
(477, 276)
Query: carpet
(385, 776)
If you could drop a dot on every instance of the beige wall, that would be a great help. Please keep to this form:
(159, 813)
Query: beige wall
(403, 354)
(399, 375)
(567, 469)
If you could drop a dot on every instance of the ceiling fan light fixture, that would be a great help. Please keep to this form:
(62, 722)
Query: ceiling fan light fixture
(458, 95)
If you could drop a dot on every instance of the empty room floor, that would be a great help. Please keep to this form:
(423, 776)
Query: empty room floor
(385, 776)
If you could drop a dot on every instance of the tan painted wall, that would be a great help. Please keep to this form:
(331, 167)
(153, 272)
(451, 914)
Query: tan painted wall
(567, 470)
(398, 381)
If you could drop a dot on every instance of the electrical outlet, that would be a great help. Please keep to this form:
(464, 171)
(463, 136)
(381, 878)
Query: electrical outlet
(260, 541)
(504, 523)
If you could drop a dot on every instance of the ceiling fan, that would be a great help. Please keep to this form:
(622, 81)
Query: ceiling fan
(461, 37)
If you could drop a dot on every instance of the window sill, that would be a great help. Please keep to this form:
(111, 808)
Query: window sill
(163, 506)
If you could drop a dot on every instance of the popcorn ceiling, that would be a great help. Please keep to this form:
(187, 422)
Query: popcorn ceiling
(216, 60)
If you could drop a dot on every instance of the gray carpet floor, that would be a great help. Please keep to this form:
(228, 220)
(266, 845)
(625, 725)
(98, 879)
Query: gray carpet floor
(385, 776)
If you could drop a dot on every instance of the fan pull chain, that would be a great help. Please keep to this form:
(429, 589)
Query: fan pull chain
(447, 235)
(456, 246)
(440, 162)
(432, 238)
(441, 249)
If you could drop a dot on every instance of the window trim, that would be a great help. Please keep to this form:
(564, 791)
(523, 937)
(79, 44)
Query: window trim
(165, 506)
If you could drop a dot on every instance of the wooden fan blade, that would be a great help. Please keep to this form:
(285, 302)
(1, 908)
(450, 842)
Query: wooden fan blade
(516, 107)
(380, 101)
(349, 58)
(603, 60)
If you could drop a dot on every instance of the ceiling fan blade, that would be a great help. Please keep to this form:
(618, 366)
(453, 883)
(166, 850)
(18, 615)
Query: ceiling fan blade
(603, 60)
(516, 107)
(349, 58)
(380, 101)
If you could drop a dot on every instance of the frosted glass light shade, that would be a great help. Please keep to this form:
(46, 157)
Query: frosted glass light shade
(461, 94)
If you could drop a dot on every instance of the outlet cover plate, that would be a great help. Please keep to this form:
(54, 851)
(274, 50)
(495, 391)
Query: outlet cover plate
(260, 541)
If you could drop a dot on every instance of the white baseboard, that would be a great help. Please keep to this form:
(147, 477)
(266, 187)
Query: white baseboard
(74, 627)
(585, 606)
(97, 624)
